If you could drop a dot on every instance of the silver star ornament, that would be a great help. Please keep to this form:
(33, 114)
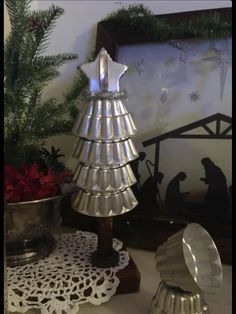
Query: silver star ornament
(104, 73)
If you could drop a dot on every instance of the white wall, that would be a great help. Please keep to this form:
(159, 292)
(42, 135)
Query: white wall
(75, 32)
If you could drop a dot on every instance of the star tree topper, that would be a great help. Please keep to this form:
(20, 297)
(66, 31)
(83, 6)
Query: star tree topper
(104, 73)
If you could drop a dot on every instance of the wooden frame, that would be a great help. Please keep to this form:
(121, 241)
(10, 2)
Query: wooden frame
(111, 35)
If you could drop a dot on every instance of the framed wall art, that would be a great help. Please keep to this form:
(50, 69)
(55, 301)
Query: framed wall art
(179, 90)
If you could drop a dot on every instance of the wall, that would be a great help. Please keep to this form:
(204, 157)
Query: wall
(75, 32)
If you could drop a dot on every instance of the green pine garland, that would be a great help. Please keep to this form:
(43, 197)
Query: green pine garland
(27, 119)
(207, 26)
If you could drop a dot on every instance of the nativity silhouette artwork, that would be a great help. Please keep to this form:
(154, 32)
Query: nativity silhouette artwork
(175, 199)
(215, 204)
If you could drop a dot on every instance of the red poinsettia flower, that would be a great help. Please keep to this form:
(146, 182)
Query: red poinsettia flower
(11, 174)
(29, 183)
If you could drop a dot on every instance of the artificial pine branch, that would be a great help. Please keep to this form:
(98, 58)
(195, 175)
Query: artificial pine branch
(28, 120)
(39, 39)
(16, 10)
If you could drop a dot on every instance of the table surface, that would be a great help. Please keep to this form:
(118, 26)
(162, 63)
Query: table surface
(139, 302)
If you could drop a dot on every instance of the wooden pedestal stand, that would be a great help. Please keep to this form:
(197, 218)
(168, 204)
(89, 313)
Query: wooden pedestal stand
(106, 256)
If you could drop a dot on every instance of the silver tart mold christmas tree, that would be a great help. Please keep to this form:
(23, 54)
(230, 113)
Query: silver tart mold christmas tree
(104, 150)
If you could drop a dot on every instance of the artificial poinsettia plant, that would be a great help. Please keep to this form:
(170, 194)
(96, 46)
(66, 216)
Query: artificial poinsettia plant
(46, 178)
(31, 172)
(30, 183)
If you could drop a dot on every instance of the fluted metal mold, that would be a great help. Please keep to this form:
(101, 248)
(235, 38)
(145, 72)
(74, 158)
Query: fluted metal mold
(190, 260)
(104, 205)
(104, 128)
(105, 155)
(170, 300)
(103, 108)
(104, 180)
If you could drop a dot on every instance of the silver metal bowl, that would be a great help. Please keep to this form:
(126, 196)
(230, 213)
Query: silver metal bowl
(103, 107)
(28, 229)
(104, 180)
(104, 204)
(104, 128)
(190, 260)
(105, 154)
(172, 300)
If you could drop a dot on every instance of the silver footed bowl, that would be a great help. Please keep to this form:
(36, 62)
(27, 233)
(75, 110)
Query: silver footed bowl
(29, 227)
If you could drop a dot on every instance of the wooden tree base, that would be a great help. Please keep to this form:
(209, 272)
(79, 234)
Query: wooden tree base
(129, 278)
(99, 260)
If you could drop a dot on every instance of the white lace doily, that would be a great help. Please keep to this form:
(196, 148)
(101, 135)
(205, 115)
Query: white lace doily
(65, 279)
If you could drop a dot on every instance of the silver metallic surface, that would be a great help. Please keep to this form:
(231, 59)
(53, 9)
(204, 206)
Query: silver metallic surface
(104, 149)
(189, 260)
(106, 94)
(104, 180)
(104, 205)
(105, 107)
(103, 70)
(104, 128)
(29, 227)
(96, 72)
(170, 300)
(104, 155)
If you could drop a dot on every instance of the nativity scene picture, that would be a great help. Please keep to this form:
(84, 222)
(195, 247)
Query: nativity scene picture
(175, 202)
(184, 120)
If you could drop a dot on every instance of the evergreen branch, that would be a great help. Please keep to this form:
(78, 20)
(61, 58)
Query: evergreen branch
(58, 127)
(80, 83)
(42, 119)
(48, 19)
(124, 14)
(16, 10)
(30, 107)
(43, 69)
(26, 119)
(52, 61)
(36, 41)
